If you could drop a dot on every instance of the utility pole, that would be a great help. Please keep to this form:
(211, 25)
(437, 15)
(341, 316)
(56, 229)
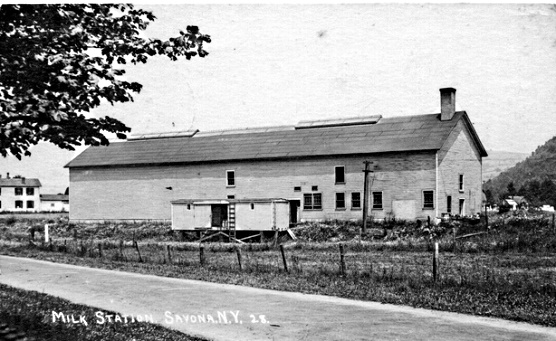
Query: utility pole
(366, 195)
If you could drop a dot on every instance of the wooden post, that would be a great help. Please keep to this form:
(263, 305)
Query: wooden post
(46, 236)
(121, 249)
(100, 250)
(342, 261)
(65, 246)
(138, 252)
(553, 226)
(365, 196)
(284, 257)
(486, 219)
(455, 232)
(262, 237)
(169, 252)
(275, 237)
(238, 252)
(435, 263)
(202, 255)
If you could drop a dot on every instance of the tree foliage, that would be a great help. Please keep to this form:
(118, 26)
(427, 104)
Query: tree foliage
(535, 177)
(49, 78)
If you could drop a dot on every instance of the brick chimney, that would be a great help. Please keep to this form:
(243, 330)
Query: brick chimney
(23, 179)
(7, 175)
(447, 103)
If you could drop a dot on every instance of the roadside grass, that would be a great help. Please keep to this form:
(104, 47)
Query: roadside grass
(515, 286)
(29, 314)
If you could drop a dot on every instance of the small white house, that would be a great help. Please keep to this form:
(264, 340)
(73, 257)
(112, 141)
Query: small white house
(19, 194)
(547, 208)
(54, 203)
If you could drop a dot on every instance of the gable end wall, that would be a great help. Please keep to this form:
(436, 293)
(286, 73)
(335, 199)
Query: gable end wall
(459, 155)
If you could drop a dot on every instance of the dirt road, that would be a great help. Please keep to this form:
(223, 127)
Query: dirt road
(228, 312)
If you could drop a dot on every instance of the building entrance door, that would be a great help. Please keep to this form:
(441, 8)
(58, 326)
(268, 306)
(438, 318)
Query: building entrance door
(219, 213)
(294, 211)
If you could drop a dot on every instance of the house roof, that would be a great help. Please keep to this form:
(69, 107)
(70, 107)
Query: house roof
(54, 197)
(375, 135)
(20, 182)
(518, 199)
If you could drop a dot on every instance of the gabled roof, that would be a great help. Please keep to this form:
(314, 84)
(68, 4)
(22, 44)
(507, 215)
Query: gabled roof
(20, 182)
(396, 134)
(54, 197)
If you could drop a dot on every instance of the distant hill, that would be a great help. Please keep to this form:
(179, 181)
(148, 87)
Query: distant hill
(533, 177)
(499, 161)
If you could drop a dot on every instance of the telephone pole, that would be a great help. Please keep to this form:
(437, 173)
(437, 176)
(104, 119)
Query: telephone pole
(366, 195)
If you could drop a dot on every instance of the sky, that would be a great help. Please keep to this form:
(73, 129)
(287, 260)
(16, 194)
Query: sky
(281, 63)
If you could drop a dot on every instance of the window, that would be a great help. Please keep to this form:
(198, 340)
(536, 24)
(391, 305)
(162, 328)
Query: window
(52, 205)
(0, 204)
(314, 188)
(461, 182)
(30, 191)
(449, 204)
(252, 206)
(0, 190)
(231, 196)
(340, 201)
(428, 199)
(30, 204)
(18, 191)
(377, 200)
(230, 178)
(297, 189)
(189, 207)
(18, 204)
(355, 200)
(340, 174)
(312, 201)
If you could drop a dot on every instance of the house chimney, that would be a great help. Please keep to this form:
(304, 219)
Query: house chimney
(23, 179)
(447, 103)
(7, 175)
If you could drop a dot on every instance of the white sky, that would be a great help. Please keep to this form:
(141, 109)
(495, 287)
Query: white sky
(281, 63)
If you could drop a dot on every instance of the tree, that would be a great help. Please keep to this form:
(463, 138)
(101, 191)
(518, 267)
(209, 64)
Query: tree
(48, 78)
(511, 189)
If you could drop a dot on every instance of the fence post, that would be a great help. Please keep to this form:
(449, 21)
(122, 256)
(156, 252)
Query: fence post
(100, 250)
(435, 263)
(238, 251)
(65, 246)
(202, 255)
(486, 219)
(284, 257)
(342, 260)
(46, 237)
(121, 249)
(138, 252)
(553, 226)
(169, 254)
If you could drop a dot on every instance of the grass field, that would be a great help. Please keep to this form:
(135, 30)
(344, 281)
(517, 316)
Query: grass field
(509, 273)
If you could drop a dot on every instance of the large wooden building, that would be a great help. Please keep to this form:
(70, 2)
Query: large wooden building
(423, 165)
